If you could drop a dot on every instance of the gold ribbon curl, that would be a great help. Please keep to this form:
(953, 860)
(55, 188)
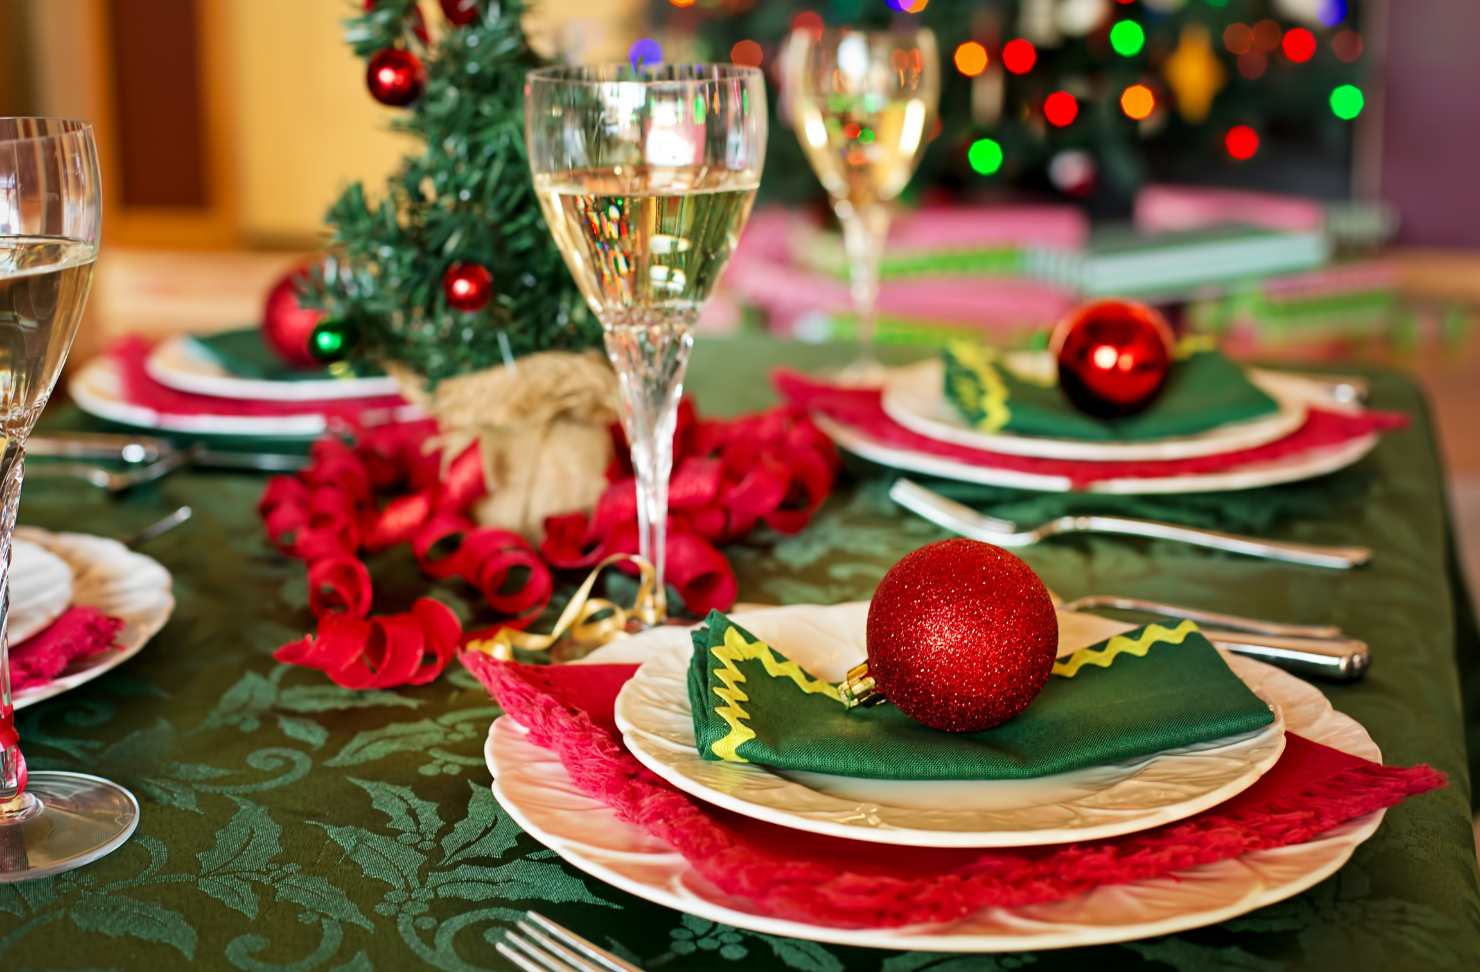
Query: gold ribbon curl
(649, 609)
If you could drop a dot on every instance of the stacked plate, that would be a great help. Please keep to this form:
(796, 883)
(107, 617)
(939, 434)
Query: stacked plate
(192, 385)
(654, 717)
(52, 572)
(1260, 452)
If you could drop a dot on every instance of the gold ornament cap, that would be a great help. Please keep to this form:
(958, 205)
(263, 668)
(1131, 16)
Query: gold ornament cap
(858, 688)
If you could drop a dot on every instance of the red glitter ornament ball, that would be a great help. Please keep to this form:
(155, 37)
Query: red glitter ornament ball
(286, 325)
(460, 13)
(468, 286)
(1114, 357)
(961, 635)
(395, 77)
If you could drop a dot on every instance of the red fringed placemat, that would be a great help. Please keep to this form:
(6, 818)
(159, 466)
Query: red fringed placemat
(844, 883)
(862, 410)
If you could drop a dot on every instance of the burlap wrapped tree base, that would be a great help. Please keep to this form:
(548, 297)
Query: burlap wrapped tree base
(543, 428)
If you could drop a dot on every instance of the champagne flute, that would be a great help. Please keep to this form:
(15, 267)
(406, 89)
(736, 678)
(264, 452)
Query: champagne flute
(646, 177)
(50, 217)
(863, 104)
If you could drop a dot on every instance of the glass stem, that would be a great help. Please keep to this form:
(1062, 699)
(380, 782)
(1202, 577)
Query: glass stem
(13, 800)
(864, 231)
(650, 359)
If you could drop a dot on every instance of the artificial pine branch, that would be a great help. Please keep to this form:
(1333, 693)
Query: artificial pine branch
(467, 197)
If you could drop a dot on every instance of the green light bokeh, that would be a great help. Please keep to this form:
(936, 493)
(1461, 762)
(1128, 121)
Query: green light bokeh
(1347, 101)
(985, 156)
(1127, 38)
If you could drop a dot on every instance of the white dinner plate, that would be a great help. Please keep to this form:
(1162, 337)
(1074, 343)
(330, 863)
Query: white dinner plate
(1289, 469)
(97, 390)
(115, 580)
(915, 398)
(181, 363)
(1108, 800)
(532, 785)
(40, 589)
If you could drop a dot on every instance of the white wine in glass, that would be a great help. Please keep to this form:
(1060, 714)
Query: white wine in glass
(863, 104)
(50, 219)
(646, 179)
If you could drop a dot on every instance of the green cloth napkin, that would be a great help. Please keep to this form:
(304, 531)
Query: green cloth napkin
(244, 354)
(1203, 391)
(1151, 689)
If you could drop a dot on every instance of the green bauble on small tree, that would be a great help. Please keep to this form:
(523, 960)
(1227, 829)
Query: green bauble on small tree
(451, 268)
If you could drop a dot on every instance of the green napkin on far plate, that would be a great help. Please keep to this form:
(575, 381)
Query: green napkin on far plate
(244, 354)
(1148, 690)
(1203, 391)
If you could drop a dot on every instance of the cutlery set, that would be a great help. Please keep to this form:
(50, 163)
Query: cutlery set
(148, 458)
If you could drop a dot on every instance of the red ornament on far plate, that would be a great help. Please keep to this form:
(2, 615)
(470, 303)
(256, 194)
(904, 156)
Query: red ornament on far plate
(961, 636)
(468, 286)
(1114, 357)
(286, 325)
(395, 77)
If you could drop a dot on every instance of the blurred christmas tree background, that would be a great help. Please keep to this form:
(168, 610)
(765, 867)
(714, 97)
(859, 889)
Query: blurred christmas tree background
(1248, 93)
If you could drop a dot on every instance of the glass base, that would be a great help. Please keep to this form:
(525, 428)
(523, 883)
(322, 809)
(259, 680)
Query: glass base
(864, 372)
(67, 820)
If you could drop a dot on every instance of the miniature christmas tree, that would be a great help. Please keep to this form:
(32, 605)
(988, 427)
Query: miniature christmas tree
(452, 269)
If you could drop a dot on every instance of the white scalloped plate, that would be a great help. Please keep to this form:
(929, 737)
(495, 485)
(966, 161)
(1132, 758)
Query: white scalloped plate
(98, 390)
(181, 363)
(1109, 800)
(1305, 465)
(915, 398)
(40, 589)
(532, 785)
(115, 580)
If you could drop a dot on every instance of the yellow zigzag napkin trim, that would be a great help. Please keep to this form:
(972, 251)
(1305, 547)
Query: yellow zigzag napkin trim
(1194, 344)
(991, 400)
(1121, 645)
(736, 648)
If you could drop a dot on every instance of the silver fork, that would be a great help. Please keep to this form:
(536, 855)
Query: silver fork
(547, 947)
(117, 482)
(1278, 629)
(962, 519)
(158, 528)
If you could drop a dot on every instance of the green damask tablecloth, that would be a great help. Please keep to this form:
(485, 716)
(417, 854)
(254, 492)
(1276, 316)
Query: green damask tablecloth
(290, 826)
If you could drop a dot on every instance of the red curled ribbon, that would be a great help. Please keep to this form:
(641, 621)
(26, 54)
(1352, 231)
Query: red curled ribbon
(775, 467)
(339, 583)
(490, 557)
(438, 528)
(400, 649)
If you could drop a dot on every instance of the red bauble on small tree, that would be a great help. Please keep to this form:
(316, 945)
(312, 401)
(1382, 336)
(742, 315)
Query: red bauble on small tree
(286, 325)
(396, 77)
(467, 286)
(460, 13)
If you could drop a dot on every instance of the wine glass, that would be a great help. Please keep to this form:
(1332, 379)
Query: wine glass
(50, 217)
(863, 104)
(646, 178)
